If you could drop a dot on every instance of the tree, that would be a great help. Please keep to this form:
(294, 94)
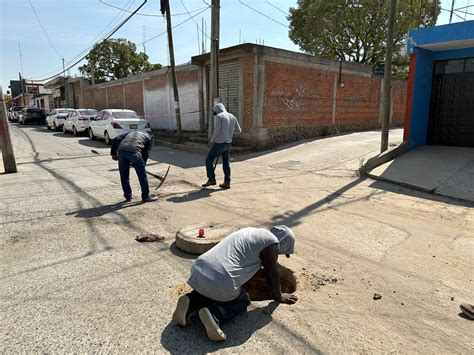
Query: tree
(114, 59)
(355, 30)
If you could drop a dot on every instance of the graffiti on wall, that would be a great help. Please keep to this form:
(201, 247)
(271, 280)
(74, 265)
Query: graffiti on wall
(296, 98)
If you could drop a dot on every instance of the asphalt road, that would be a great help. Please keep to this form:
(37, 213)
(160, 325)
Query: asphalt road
(75, 280)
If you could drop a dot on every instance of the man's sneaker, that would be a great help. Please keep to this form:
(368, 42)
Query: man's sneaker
(128, 199)
(225, 185)
(150, 198)
(467, 310)
(214, 332)
(179, 315)
(208, 183)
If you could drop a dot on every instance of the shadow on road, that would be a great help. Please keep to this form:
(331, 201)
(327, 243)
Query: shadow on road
(398, 189)
(195, 195)
(102, 210)
(181, 254)
(293, 218)
(193, 339)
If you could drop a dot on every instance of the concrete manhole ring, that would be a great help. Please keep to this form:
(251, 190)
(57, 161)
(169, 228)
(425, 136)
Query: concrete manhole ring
(188, 239)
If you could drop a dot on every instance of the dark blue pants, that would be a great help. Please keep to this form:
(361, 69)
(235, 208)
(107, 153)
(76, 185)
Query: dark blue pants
(217, 150)
(222, 311)
(125, 158)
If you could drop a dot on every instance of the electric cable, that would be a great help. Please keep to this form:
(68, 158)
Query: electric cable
(107, 37)
(44, 31)
(261, 13)
(150, 15)
(112, 22)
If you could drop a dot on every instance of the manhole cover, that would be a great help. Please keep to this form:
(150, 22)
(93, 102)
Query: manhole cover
(188, 239)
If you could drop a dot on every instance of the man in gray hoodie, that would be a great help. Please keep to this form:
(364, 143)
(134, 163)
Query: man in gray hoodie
(217, 276)
(225, 124)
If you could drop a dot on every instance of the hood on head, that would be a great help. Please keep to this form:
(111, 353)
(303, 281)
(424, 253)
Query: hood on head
(286, 239)
(219, 108)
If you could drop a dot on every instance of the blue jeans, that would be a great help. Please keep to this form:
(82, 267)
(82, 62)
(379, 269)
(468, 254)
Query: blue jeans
(125, 158)
(221, 311)
(217, 150)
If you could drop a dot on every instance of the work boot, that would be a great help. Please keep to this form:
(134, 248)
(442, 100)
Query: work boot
(225, 185)
(208, 183)
(214, 332)
(181, 311)
(150, 198)
(467, 310)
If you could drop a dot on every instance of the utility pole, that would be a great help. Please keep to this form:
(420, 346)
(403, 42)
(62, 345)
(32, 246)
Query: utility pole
(451, 12)
(92, 66)
(64, 69)
(22, 91)
(165, 8)
(385, 106)
(214, 81)
(9, 162)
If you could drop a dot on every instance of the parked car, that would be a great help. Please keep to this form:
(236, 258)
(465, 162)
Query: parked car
(78, 121)
(14, 113)
(55, 118)
(111, 123)
(31, 114)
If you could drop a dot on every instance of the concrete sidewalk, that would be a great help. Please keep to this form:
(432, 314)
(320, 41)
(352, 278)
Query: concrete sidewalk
(446, 171)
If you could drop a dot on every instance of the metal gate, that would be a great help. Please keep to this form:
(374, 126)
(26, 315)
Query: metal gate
(229, 85)
(451, 119)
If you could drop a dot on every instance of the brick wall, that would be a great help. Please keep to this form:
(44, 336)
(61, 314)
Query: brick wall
(100, 101)
(302, 101)
(115, 96)
(297, 95)
(134, 97)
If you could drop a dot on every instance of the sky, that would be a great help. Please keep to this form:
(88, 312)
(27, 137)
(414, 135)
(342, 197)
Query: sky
(46, 31)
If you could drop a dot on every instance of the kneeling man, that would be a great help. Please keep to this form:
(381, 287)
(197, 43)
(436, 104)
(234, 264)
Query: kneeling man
(217, 276)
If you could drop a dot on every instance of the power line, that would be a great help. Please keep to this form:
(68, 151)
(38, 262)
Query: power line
(108, 36)
(112, 22)
(191, 17)
(44, 31)
(150, 15)
(179, 24)
(272, 5)
(261, 13)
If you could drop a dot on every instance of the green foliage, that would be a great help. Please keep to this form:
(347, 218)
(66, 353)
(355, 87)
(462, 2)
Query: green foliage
(355, 30)
(115, 59)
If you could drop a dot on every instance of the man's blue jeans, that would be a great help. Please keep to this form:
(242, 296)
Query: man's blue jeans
(221, 311)
(125, 158)
(217, 150)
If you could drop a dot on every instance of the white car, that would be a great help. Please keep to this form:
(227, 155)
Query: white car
(111, 123)
(56, 117)
(78, 121)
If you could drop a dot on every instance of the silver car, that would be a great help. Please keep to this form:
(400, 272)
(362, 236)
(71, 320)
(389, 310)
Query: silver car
(78, 121)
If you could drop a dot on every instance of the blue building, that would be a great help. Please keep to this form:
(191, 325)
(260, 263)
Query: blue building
(440, 98)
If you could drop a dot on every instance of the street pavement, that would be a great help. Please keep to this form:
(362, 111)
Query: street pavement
(75, 280)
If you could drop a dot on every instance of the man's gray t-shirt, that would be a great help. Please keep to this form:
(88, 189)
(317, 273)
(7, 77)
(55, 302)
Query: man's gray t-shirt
(219, 273)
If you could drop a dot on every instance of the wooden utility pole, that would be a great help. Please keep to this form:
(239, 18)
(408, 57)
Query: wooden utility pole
(214, 80)
(387, 76)
(165, 9)
(92, 66)
(5, 142)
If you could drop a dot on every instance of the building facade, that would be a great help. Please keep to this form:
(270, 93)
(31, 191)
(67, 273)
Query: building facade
(440, 101)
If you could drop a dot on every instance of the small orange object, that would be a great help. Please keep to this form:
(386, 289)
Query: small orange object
(201, 233)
